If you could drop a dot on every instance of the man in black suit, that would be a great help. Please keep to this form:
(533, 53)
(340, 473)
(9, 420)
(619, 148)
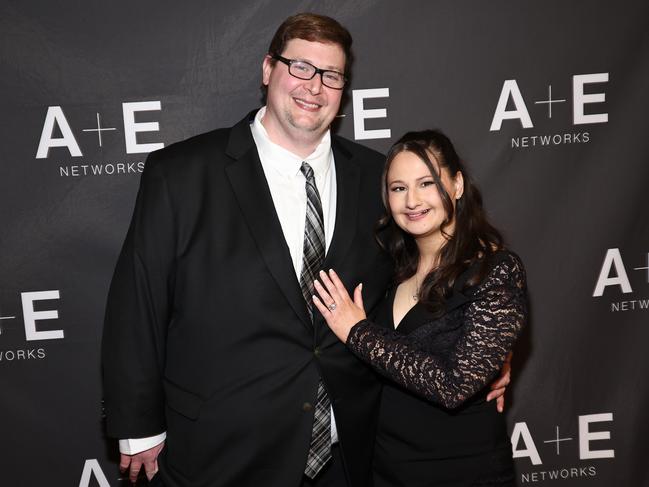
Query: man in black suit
(212, 356)
(217, 372)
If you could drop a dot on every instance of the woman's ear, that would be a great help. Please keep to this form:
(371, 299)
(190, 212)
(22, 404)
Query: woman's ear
(458, 182)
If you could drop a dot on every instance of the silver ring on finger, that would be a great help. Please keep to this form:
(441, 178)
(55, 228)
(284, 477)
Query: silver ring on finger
(331, 306)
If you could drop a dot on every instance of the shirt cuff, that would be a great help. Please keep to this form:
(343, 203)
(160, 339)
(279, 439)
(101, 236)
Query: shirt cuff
(137, 445)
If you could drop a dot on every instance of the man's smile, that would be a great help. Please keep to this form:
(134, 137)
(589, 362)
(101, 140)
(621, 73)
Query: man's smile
(310, 106)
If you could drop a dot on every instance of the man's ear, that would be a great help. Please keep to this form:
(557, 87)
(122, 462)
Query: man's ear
(266, 69)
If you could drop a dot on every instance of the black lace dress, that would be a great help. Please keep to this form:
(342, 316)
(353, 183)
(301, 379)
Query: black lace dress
(435, 426)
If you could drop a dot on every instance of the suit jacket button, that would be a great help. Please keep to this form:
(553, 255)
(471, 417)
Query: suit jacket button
(317, 352)
(307, 406)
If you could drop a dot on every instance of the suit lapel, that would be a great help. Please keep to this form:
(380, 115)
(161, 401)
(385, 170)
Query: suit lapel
(253, 195)
(347, 194)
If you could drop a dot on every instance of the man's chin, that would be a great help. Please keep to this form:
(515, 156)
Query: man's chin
(311, 126)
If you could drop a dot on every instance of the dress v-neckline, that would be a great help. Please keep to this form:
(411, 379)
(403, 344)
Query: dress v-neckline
(419, 314)
(395, 326)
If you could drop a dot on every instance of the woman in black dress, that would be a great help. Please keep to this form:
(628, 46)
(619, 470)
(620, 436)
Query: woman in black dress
(444, 329)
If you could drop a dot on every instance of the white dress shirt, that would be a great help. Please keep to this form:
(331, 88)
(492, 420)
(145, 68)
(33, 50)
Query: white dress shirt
(287, 188)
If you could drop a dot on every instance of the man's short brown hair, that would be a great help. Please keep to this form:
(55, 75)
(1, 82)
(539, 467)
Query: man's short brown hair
(314, 28)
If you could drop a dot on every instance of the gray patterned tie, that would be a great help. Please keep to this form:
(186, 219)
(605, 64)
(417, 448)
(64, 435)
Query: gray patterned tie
(314, 252)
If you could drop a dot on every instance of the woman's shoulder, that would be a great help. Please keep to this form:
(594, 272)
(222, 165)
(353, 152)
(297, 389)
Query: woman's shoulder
(504, 267)
(505, 258)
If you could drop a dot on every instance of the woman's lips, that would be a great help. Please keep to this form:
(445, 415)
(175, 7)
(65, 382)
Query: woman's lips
(417, 215)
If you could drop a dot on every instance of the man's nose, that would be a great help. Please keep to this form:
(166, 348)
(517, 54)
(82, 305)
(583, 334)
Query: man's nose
(314, 85)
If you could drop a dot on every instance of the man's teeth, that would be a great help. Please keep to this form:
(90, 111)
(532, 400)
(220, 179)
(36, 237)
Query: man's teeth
(307, 104)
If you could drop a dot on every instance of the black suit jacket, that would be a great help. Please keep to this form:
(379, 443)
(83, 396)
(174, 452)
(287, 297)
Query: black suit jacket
(207, 335)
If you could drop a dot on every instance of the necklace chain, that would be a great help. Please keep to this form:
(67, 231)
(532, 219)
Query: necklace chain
(415, 295)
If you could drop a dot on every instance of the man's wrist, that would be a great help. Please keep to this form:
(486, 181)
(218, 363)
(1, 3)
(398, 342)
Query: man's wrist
(133, 446)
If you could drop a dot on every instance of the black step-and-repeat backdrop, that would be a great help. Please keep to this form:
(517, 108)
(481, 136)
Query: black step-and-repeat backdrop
(546, 100)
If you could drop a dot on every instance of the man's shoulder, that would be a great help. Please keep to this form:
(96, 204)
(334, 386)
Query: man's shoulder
(207, 148)
(358, 151)
(369, 161)
(196, 146)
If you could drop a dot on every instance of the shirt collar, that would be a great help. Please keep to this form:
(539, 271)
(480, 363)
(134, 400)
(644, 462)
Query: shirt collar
(284, 161)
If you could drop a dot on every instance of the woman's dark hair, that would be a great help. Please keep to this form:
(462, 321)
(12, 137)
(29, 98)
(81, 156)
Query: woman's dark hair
(473, 239)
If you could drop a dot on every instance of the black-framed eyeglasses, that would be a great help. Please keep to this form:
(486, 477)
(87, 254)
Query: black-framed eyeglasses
(303, 70)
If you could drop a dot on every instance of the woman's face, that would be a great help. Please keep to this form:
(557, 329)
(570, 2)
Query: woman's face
(415, 203)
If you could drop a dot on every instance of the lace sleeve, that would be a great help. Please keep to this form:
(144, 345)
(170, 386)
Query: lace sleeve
(492, 322)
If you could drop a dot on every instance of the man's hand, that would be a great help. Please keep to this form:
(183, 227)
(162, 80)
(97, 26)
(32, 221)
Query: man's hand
(148, 458)
(499, 386)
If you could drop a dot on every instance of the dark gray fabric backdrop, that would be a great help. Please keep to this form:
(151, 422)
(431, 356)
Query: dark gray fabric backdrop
(547, 101)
